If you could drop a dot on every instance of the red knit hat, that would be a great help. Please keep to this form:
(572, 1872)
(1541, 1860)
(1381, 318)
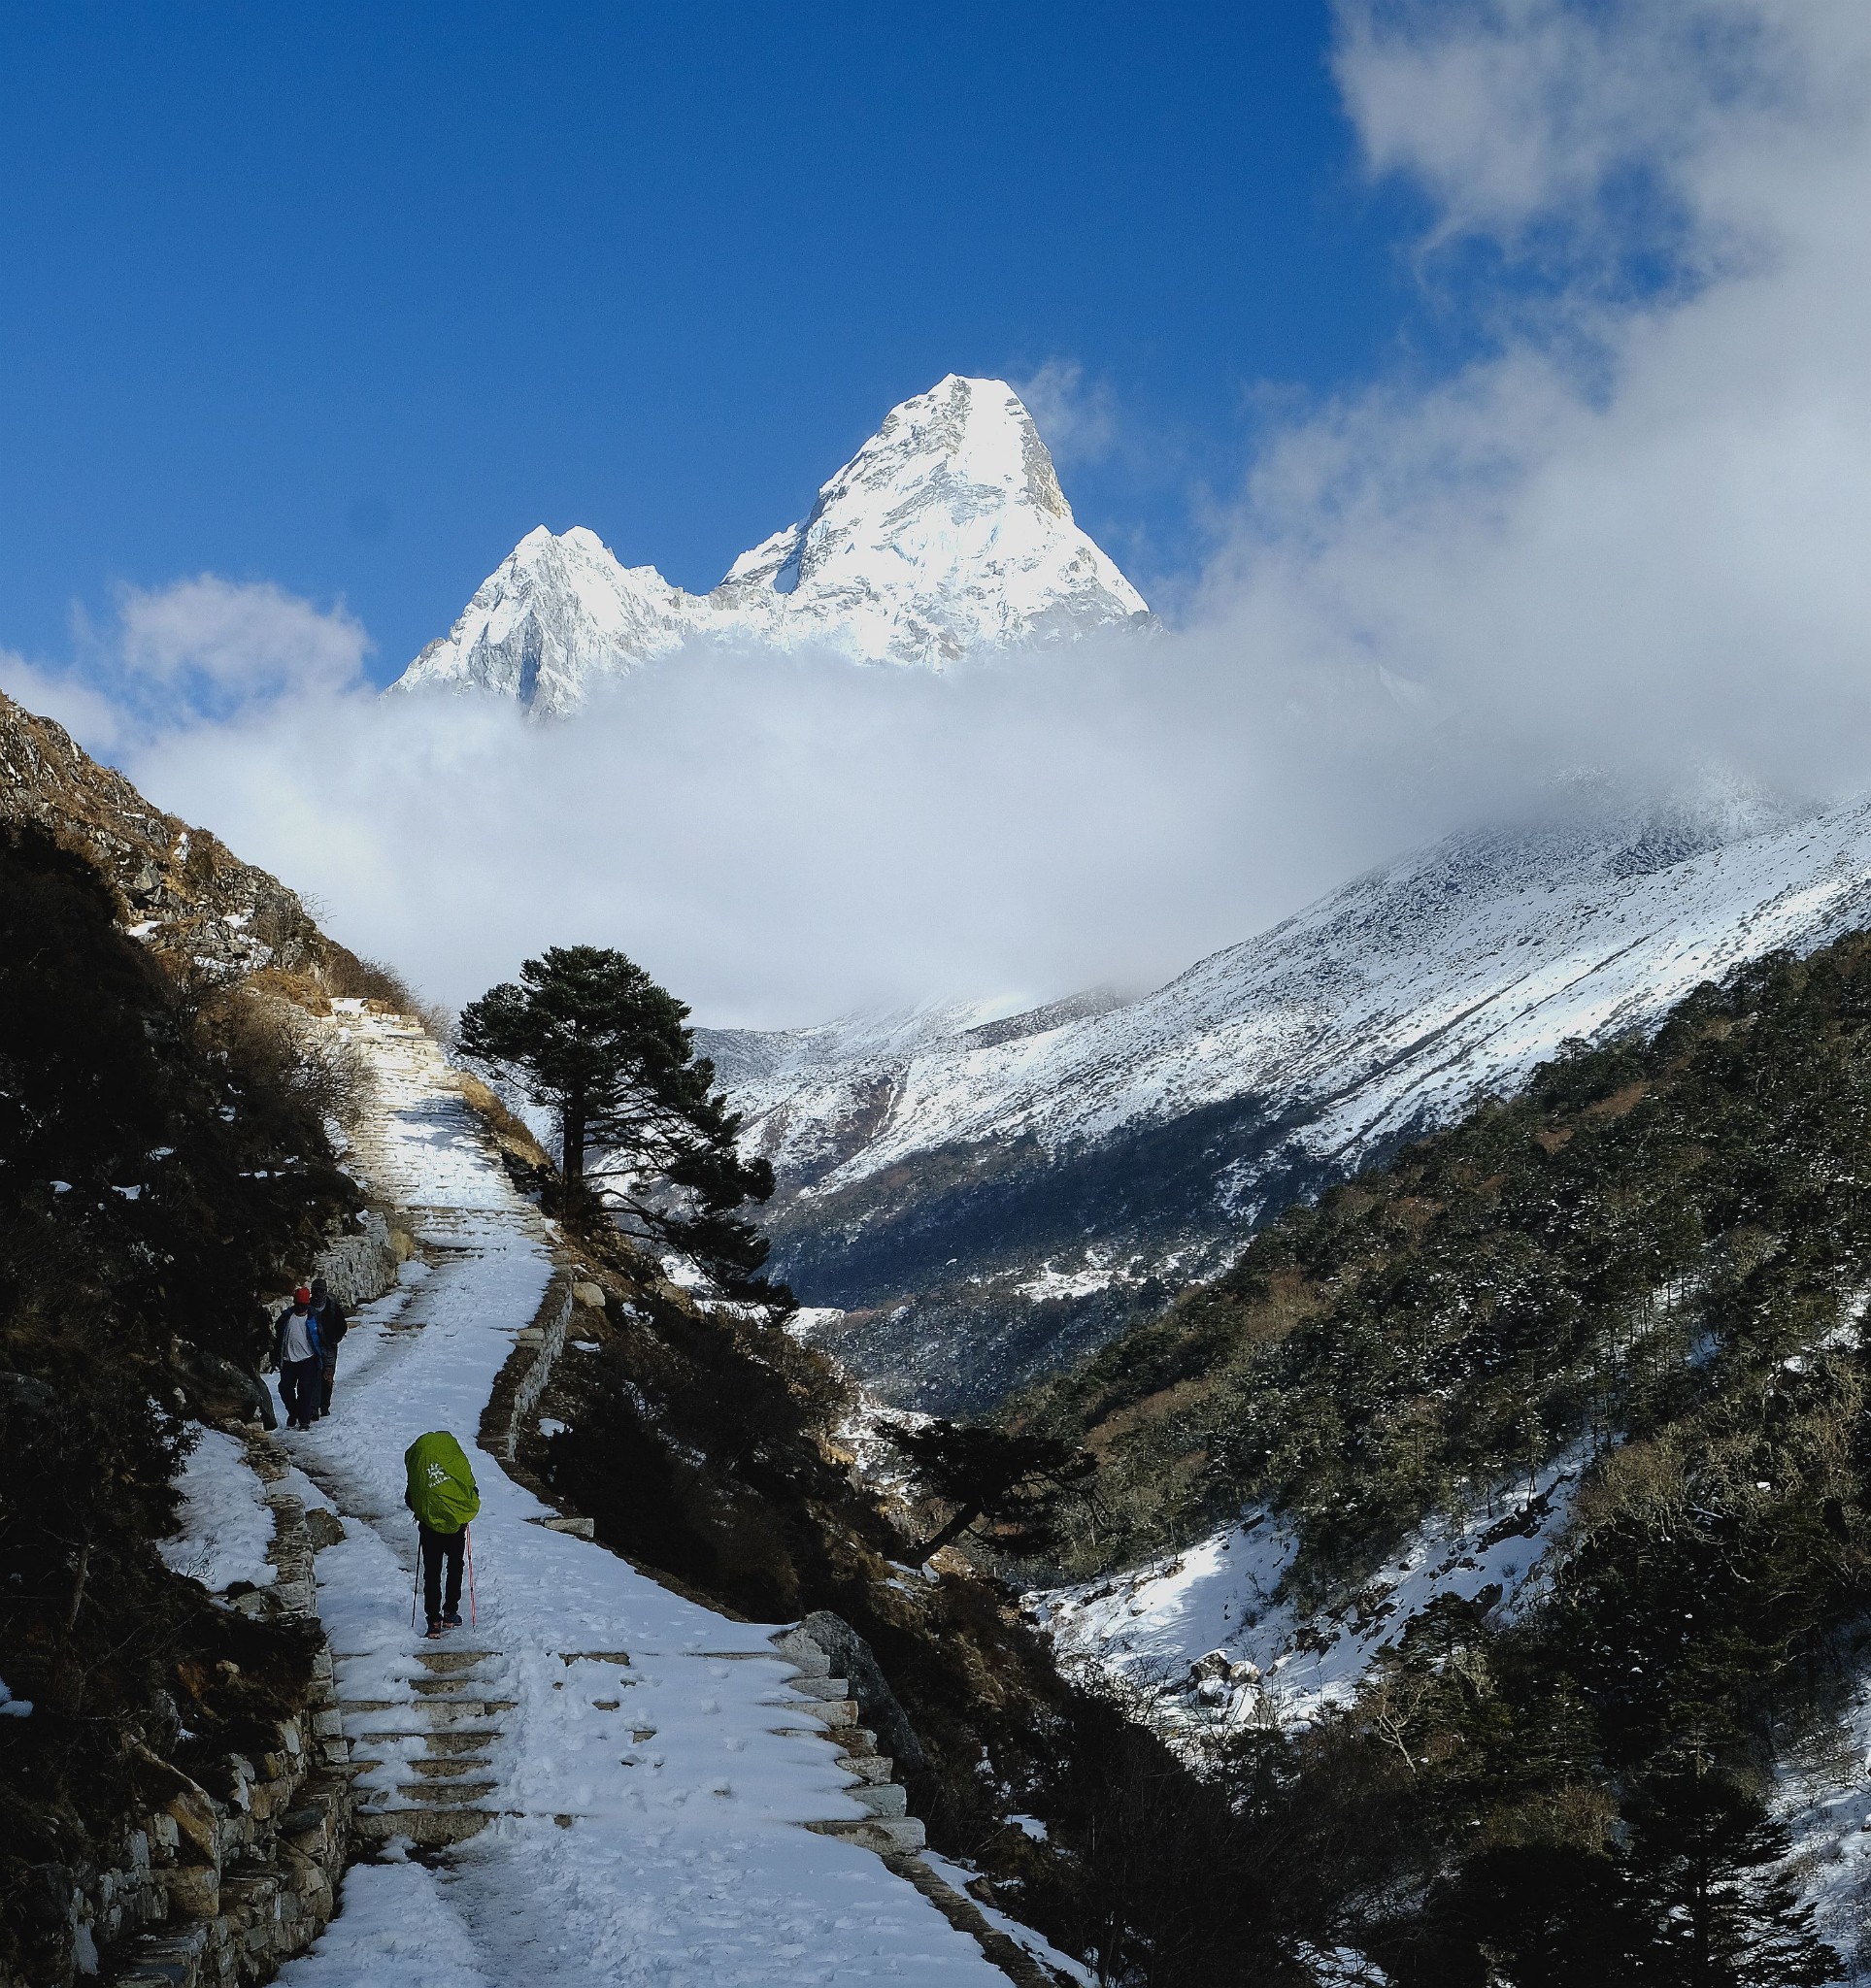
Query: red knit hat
(302, 1296)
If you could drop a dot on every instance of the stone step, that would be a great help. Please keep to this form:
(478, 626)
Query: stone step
(445, 1663)
(448, 1739)
(867, 1767)
(858, 1741)
(434, 1769)
(430, 1827)
(819, 1687)
(459, 1712)
(888, 1836)
(451, 1794)
(885, 1798)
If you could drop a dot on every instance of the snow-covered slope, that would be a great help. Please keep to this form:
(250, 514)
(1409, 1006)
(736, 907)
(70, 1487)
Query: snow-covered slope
(946, 1178)
(947, 533)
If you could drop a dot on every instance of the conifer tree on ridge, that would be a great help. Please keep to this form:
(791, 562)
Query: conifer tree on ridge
(589, 1033)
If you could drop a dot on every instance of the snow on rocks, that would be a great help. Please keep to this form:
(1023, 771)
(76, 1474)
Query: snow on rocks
(960, 1877)
(226, 1526)
(621, 1773)
(1211, 1634)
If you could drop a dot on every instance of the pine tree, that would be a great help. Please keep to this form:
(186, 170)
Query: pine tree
(1712, 1902)
(642, 1129)
(1014, 1482)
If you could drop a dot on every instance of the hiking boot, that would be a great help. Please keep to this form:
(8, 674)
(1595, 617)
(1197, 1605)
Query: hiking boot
(435, 1628)
(451, 1621)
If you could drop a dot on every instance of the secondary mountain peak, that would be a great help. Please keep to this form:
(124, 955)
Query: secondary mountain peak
(946, 534)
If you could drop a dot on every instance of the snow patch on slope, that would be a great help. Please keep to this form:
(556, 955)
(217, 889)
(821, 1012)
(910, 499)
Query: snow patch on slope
(1227, 1594)
(226, 1526)
(1824, 1799)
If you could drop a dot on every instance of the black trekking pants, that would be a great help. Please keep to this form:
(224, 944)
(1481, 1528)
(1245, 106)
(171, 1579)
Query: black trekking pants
(299, 1389)
(436, 1548)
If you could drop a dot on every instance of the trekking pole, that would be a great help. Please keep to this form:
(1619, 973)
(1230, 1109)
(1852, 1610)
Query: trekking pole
(467, 1540)
(416, 1582)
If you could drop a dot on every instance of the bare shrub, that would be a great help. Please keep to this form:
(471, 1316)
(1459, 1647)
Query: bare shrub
(274, 1041)
(373, 979)
(509, 1128)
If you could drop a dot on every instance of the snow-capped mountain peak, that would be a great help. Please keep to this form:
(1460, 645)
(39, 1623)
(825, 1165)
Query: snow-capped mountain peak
(946, 534)
(536, 622)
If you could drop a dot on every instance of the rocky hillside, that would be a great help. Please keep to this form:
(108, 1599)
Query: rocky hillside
(946, 534)
(164, 1160)
(177, 888)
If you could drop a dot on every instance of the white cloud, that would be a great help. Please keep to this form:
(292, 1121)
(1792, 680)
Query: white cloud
(1638, 528)
(246, 640)
(781, 838)
(1077, 422)
(92, 717)
(205, 649)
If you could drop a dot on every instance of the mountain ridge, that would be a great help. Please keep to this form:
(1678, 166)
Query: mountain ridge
(946, 534)
(983, 1209)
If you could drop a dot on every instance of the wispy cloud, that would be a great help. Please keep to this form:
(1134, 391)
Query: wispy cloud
(237, 642)
(1076, 419)
(1635, 528)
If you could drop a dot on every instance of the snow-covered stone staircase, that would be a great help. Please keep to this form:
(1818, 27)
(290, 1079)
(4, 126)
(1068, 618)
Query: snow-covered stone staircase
(890, 1825)
(611, 1782)
(425, 1761)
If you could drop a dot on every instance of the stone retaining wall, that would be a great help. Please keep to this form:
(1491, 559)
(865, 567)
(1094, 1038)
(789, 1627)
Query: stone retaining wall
(522, 1381)
(363, 1265)
(211, 1893)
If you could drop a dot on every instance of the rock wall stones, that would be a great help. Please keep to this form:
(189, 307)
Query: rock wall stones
(364, 1265)
(522, 1381)
(210, 1892)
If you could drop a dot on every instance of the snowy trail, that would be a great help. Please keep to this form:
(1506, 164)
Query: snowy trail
(641, 1763)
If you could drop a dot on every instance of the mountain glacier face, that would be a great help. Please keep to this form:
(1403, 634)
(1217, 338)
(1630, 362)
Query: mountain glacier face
(946, 534)
(984, 1198)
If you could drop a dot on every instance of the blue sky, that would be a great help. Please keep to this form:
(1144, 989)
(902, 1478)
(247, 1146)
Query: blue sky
(348, 298)
(1482, 382)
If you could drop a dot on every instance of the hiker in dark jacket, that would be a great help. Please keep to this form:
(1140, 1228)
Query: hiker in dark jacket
(332, 1327)
(295, 1352)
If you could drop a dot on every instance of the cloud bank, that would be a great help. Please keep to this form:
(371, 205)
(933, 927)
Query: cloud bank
(1633, 534)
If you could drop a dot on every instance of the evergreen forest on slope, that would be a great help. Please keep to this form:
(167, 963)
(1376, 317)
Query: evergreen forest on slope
(1655, 1258)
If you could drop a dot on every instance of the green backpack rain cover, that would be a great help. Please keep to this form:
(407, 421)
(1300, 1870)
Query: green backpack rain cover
(441, 1491)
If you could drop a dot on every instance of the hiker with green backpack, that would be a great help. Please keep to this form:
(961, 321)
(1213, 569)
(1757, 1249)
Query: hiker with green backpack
(442, 1494)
